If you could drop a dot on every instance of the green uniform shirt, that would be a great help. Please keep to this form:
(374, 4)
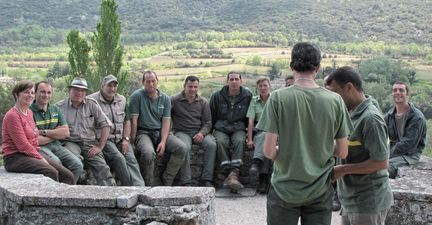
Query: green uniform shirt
(47, 120)
(366, 193)
(149, 112)
(307, 122)
(256, 108)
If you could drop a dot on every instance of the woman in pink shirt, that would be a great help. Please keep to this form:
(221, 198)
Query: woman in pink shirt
(20, 139)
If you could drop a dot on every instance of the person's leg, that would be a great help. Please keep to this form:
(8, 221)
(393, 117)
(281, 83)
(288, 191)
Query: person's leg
(280, 212)
(64, 175)
(318, 211)
(47, 150)
(117, 162)
(69, 160)
(177, 150)
(222, 142)
(145, 147)
(238, 139)
(133, 166)
(20, 163)
(365, 218)
(394, 164)
(209, 146)
(98, 166)
(185, 173)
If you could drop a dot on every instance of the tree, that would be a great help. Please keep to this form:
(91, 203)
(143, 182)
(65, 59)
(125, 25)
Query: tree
(382, 69)
(107, 51)
(78, 56)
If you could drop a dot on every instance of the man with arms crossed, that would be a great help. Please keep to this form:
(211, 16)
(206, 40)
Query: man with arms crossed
(150, 130)
(53, 127)
(407, 130)
(192, 124)
(306, 120)
(118, 152)
(363, 183)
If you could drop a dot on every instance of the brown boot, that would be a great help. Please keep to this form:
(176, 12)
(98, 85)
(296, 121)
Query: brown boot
(233, 182)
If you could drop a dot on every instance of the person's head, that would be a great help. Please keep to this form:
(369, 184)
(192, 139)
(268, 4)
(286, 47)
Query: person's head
(78, 90)
(23, 93)
(305, 57)
(234, 81)
(289, 80)
(191, 86)
(150, 81)
(347, 83)
(109, 87)
(400, 92)
(263, 86)
(43, 93)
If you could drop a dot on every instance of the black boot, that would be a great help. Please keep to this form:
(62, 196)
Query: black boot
(253, 170)
(263, 183)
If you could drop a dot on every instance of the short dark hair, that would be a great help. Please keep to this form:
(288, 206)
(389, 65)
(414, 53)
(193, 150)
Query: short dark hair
(41, 82)
(290, 77)
(403, 83)
(149, 72)
(20, 87)
(233, 72)
(191, 78)
(305, 57)
(262, 79)
(344, 75)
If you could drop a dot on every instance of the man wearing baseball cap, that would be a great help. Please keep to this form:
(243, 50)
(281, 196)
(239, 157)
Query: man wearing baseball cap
(83, 116)
(118, 151)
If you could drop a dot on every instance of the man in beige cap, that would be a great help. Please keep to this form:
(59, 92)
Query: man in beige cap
(83, 116)
(118, 151)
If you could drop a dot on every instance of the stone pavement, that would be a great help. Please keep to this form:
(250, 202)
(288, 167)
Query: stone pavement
(247, 211)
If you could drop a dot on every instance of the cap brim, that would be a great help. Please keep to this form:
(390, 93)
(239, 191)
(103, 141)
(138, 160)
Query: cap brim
(78, 86)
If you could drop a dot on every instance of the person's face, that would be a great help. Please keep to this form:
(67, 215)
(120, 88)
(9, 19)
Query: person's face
(77, 95)
(110, 90)
(264, 88)
(289, 82)
(234, 82)
(191, 89)
(399, 93)
(335, 87)
(26, 97)
(43, 94)
(150, 82)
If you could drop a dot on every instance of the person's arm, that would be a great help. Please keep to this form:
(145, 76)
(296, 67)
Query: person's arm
(60, 132)
(96, 149)
(251, 122)
(126, 134)
(366, 167)
(341, 148)
(413, 134)
(43, 140)
(270, 141)
(133, 130)
(206, 123)
(166, 123)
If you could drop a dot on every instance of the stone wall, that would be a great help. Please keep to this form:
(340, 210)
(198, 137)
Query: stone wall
(35, 199)
(412, 195)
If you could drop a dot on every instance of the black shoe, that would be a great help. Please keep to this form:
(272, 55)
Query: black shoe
(263, 184)
(253, 170)
(206, 184)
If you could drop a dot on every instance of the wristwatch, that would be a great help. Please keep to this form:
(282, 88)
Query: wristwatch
(126, 138)
(44, 132)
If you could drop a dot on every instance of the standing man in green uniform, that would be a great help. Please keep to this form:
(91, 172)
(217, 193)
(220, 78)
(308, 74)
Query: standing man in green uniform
(363, 183)
(306, 120)
(118, 151)
(150, 130)
(52, 128)
(84, 115)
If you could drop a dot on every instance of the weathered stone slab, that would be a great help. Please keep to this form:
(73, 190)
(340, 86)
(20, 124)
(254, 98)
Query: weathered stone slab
(175, 196)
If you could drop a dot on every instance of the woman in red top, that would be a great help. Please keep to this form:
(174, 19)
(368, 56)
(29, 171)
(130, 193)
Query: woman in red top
(20, 139)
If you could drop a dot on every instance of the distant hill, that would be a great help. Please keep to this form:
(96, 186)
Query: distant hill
(396, 21)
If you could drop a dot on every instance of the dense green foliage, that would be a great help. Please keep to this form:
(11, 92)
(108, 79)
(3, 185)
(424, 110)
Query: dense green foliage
(395, 21)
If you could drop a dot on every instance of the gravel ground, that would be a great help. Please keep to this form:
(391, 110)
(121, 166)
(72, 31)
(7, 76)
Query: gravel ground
(247, 211)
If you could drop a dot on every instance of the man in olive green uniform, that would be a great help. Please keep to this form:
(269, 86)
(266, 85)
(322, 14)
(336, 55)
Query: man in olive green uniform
(363, 183)
(306, 120)
(84, 115)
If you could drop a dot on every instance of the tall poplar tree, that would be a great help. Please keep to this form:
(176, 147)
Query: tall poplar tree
(78, 56)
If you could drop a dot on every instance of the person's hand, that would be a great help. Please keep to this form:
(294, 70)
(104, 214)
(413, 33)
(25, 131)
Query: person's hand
(124, 146)
(338, 172)
(160, 150)
(250, 144)
(198, 138)
(94, 150)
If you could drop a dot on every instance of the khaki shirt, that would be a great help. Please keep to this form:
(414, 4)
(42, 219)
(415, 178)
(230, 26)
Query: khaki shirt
(84, 120)
(115, 111)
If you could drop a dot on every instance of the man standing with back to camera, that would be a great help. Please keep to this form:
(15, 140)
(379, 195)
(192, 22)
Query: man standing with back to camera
(306, 120)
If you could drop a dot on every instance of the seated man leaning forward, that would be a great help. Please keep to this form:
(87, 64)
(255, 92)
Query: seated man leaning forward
(407, 130)
(52, 128)
(150, 131)
(118, 151)
(192, 124)
(84, 115)
(228, 108)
